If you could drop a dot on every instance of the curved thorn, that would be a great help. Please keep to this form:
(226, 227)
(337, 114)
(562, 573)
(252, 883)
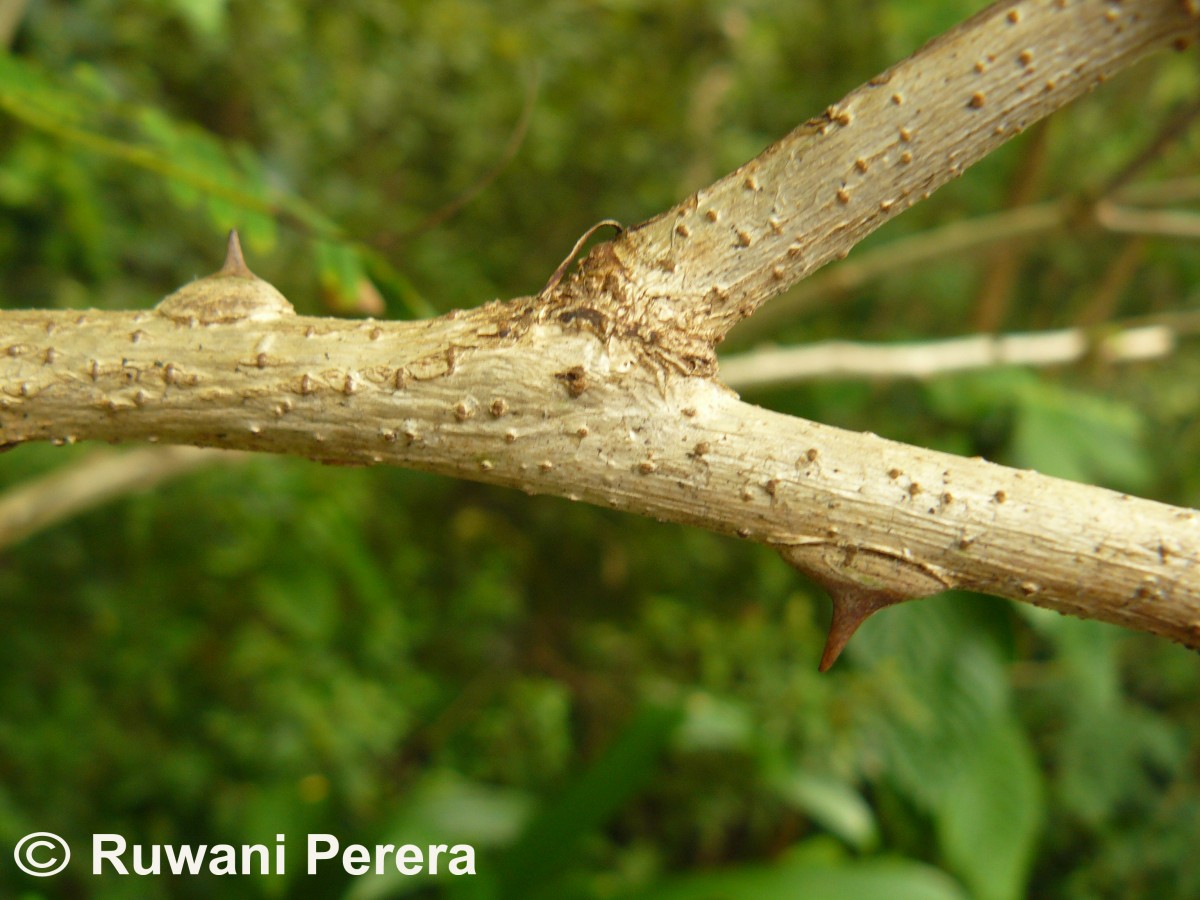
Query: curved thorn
(562, 268)
(851, 607)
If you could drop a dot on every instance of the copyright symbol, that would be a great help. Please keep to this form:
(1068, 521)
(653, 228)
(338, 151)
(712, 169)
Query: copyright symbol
(41, 854)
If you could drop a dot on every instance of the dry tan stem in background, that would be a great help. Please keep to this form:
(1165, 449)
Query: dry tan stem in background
(99, 477)
(925, 359)
(604, 387)
(11, 12)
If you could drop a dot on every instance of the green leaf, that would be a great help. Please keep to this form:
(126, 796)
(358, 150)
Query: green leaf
(445, 808)
(340, 270)
(991, 812)
(207, 17)
(1095, 713)
(550, 842)
(1080, 436)
(834, 805)
(714, 723)
(952, 744)
(228, 179)
(800, 877)
(1055, 429)
(396, 285)
(971, 396)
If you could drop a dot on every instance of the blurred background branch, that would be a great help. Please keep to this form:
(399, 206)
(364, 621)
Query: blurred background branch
(98, 478)
(11, 12)
(848, 359)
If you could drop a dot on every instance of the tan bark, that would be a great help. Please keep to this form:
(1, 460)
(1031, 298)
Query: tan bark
(603, 388)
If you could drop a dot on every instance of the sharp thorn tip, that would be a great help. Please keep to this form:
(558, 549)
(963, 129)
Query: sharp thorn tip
(235, 262)
(851, 607)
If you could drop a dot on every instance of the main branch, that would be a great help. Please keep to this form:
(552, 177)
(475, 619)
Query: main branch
(603, 388)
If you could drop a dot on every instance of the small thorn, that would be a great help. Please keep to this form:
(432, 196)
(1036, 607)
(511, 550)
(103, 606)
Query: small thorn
(851, 607)
(235, 263)
(562, 268)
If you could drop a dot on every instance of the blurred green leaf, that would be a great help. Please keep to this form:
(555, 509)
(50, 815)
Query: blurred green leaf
(714, 723)
(208, 17)
(341, 272)
(445, 808)
(1054, 429)
(1107, 749)
(832, 804)
(179, 152)
(991, 811)
(968, 397)
(879, 879)
(229, 178)
(1080, 436)
(552, 838)
(951, 703)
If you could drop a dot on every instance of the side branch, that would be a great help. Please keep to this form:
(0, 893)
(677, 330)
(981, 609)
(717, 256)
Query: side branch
(711, 261)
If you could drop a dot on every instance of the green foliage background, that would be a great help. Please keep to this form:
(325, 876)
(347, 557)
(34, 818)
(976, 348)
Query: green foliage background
(604, 706)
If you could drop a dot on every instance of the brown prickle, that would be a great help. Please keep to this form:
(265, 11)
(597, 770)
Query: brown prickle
(852, 605)
(235, 262)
